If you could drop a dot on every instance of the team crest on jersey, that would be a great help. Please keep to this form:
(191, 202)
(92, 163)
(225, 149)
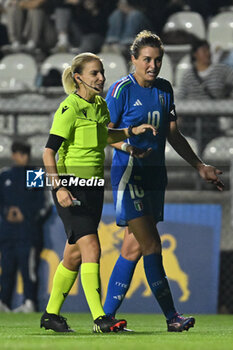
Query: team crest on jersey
(138, 205)
(162, 100)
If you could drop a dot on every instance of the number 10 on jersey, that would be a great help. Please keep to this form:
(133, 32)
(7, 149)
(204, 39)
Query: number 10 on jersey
(154, 118)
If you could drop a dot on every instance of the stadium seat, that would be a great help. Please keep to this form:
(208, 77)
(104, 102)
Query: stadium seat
(38, 143)
(30, 99)
(6, 124)
(183, 65)
(115, 68)
(32, 123)
(5, 146)
(190, 22)
(166, 71)
(220, 30)
(18, 71)
(179, 171)
(172, 156)
(220, 149)
(59, 61)
(49, 102)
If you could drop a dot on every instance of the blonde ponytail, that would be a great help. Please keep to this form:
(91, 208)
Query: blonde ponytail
(77, 65)
(68, 81)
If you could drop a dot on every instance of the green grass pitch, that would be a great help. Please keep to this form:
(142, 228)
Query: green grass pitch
(22, 332)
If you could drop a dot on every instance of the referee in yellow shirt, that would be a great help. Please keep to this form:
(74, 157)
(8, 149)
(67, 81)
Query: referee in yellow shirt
(79, 134)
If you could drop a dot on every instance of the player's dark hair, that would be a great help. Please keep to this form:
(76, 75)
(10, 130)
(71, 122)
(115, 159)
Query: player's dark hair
(195, 46)
(20, 146)
(143, 39)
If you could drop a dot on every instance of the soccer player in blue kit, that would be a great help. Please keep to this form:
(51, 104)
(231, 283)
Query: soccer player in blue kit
(139, 178)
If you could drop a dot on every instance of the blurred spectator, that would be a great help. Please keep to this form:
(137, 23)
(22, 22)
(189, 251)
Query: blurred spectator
(21, 236)
(3, 31)
(28, 21)
(80, 24)
(15, 23)
(91, 19)
(205, 80)
(64, 26)
(228, 58)
(126, 21)
(36, 30)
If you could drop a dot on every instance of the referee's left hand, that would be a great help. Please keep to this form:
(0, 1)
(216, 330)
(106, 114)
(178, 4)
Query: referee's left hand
(141, 129)
(64, 197)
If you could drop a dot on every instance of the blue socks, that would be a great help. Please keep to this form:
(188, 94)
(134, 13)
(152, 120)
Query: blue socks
(118, 284)
(120, 281)
(158, 283)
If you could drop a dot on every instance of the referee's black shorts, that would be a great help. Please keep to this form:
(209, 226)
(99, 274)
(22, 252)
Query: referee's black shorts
(82, 220)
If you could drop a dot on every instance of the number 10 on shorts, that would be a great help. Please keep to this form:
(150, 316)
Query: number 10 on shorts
(136, 191)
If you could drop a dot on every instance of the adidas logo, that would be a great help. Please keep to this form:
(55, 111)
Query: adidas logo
(138, 103)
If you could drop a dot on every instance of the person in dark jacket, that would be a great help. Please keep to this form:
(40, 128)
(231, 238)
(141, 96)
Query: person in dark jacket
(20, 234)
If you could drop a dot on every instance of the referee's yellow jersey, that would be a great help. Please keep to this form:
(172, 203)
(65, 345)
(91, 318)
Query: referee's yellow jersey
(84, 127)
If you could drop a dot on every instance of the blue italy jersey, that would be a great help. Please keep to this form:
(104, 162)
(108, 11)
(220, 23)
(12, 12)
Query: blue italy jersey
(135, 181)
(131, 104)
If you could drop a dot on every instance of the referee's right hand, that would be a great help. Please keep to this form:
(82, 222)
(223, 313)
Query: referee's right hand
(64, 197)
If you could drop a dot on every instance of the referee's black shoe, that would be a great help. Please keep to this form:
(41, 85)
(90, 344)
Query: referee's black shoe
(55, 322)
(179, 323)
(106, 324)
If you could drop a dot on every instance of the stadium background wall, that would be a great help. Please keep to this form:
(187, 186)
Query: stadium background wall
(191, 252)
